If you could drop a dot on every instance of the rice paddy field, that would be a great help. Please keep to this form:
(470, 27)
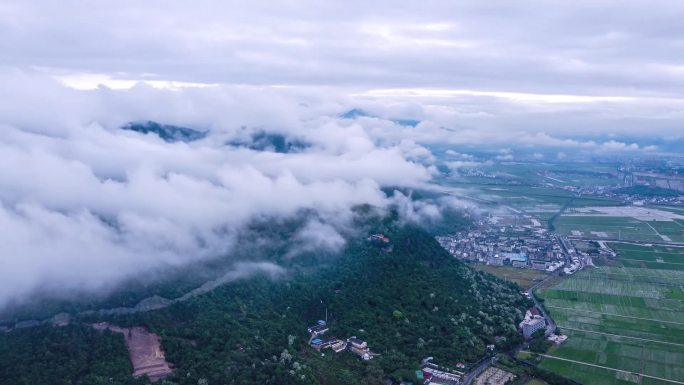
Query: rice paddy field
(650, 257)
(625, 325)
(620, 228)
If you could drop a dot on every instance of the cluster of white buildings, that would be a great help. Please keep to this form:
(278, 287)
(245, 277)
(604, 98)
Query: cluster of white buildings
(574, 266)
(435, 375)
(355, 345)
(538, 250)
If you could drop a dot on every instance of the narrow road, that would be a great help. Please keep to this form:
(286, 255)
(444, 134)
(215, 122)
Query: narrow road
(609, 368)
(550, 324)
(663, 237)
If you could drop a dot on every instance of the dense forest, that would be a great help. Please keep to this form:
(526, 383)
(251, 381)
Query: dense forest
(73, 354)
(408, 299)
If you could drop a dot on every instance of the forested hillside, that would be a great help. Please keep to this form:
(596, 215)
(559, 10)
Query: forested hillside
(408, 302)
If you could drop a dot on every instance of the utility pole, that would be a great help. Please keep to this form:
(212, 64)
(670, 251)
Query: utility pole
(326, 310)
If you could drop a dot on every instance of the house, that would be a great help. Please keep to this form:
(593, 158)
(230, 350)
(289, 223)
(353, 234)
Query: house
(515, 258)
(557, 339)
(339, 346)
(433, 374)
(328, 342)
(357, 343)
(379, 237)
(318, 329)
(533, 321)
(360, 348)
(531, 325)
(519, 264)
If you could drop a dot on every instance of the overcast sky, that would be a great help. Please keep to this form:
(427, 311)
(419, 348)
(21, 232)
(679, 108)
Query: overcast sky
(84, 204)
(597, 47)
(609, 68)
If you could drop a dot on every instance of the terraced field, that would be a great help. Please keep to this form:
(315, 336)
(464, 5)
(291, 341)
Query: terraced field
(625, 326)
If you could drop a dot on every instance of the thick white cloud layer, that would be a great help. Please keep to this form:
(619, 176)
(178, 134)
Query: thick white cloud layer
(84, 204)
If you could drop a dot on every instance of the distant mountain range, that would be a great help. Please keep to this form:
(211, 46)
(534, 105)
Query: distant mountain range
(358, 113)
(167, 132)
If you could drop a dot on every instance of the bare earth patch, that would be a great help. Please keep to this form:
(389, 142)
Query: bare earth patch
(144, 349)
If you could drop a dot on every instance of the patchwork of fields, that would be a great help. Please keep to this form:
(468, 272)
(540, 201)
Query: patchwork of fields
(651, 257)
(623, 228)
(625, 326)
(541, 202)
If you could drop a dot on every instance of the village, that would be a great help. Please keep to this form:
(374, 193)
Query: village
(505, 241)
(520, 241)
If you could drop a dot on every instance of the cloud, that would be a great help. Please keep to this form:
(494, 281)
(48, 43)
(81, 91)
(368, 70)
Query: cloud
(317, 235)
(75, 190)
(458, 164)
(569, 49)
(415, 211)
(85, 205)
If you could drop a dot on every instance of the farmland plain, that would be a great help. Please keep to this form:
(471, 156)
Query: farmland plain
(625, 325)
(650, 257)
(620, 228)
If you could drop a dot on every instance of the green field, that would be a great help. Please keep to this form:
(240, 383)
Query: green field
(526, 278)
(535, 382)
(622, 228)
(614, 227)
(650, 257)
(625, 325)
